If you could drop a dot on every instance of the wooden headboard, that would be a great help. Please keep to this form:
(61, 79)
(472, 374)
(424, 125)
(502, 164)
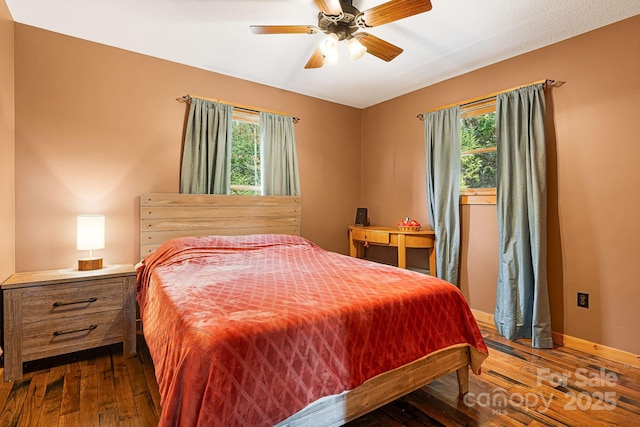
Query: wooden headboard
(164, 216)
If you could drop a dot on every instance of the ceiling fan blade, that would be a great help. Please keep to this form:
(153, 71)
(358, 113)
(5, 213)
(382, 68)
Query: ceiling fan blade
(316, 60)
(284, 29)
(394, 10)
(329, 7)
(378, 47)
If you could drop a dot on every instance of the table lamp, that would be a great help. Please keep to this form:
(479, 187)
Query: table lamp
(90, 236)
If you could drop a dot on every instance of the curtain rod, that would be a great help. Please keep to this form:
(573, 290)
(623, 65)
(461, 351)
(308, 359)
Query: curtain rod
(187, 98)
(546, 83)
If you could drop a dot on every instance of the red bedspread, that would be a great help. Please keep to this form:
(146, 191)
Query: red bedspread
(248, 330)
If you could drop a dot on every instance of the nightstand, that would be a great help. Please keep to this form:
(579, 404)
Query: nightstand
(50, 313)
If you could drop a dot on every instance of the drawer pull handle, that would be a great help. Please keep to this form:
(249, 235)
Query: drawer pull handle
(90, 328)
(86, 301)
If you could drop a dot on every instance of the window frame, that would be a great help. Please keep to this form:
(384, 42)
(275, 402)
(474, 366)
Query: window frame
(478, 196)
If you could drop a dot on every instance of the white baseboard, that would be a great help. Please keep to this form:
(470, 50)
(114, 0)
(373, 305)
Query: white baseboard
(574, 343)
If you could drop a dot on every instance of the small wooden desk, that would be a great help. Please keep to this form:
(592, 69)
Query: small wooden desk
(392, 236)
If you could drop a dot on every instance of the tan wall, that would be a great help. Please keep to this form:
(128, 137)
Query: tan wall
(97, 126)
(594, 232)
(7, 145)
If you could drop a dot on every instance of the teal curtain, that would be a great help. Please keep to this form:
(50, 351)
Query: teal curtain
(206, 154)
(442, 154)
(522, 304)
(278, 157)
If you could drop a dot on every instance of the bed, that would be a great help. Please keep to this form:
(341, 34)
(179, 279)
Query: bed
(248, 323)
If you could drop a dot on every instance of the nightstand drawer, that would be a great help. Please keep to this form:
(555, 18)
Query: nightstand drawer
(42, 304)
(65, 335)
(373, 236)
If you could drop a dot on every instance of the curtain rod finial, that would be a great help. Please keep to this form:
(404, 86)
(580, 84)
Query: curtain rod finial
(554, 83)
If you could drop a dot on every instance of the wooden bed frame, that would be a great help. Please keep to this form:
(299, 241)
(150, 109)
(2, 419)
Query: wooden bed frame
(166, 216)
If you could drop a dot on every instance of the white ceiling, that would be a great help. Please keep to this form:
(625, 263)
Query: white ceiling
(455, 37)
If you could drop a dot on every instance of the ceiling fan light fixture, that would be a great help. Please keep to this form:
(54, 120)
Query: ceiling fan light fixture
(356, 49)
(329, 49)
(331, 57)
(329, 46)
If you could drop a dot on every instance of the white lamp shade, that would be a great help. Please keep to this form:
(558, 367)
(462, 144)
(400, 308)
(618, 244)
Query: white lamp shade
(356, 49)
(329, 48)
(90, 232)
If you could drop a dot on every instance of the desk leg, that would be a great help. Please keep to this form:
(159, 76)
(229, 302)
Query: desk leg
(402, 250)
(356, 249)
(432, 260)
(353, 250)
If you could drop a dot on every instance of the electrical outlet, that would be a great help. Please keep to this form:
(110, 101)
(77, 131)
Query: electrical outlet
(583, 300)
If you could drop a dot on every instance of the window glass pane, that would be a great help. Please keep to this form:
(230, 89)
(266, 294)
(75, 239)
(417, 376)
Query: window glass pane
(478, 131)
(478, 142)
(245, 158)
(478, 170)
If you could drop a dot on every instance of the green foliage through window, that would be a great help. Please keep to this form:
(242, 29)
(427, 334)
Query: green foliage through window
(245, 158)
(478, 145)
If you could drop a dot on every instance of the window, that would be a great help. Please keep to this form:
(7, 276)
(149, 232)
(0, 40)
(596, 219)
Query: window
(245, 153)
(478, 145)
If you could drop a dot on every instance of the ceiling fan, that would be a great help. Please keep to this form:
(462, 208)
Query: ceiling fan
(340, 20)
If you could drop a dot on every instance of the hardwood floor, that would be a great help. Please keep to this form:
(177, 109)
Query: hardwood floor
(92, 388)
(519, 386)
